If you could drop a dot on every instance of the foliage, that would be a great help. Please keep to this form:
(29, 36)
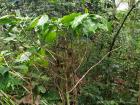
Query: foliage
(48, 46)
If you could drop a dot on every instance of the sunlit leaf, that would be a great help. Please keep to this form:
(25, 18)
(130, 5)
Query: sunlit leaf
(23, 68)
(33, 23)
(12, 38)
(41, 89)
(89, 26)
(24, 57)
(51, 36)
(66, 20)
(44, 19)
(9, 19)
(78, 20)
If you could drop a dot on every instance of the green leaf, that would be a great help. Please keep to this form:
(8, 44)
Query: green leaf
(41, 59)
(104, 24)
(3, 70)
(8, 39)
(34, 23)
(22, 68)
(24, 57)
(89, 26)
(78, 20)
(66, 20)
(51, 36)
(44, 19)
(41, 89)
(109, 26)
(9, 19)
(5, 53)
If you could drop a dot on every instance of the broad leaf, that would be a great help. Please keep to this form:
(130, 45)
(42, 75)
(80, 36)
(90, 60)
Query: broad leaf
(41, 89)
(78, 20)
(51, 36)
(34, 23)
(89, 26)
(24, 57)
(66, 20)
(8, 39)
(23, 68)
(44, 19)
(9, 19)
(3, 70)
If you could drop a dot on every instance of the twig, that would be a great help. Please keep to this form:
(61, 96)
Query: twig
(81, 61)
(55, 74)
(14, 72)
(116, 35)
(91, 69)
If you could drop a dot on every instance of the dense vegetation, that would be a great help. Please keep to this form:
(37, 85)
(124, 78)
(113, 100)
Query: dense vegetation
(69, 52)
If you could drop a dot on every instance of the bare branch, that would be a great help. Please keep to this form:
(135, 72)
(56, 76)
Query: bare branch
(91, 69)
